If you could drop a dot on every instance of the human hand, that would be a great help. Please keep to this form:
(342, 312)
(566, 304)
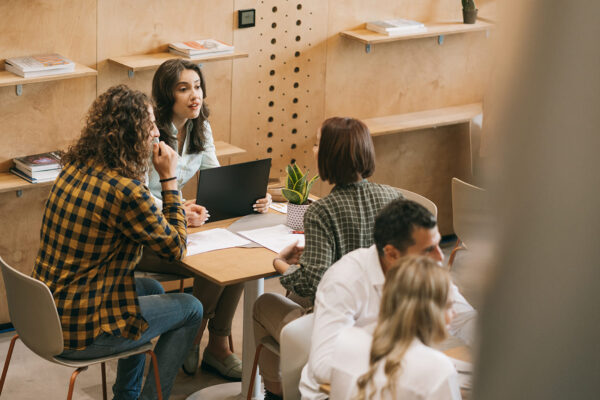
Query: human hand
(195, 214)
(164, 159)
(291, 254)
(262, 205)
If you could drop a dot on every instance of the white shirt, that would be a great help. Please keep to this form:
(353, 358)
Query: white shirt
(425, 373)
(187, 164)
(349, 294)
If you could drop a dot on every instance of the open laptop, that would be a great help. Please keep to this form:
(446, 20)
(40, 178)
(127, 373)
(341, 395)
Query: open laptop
(231, 190)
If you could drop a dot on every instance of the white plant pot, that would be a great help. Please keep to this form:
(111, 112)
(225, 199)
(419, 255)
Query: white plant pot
(295, 215)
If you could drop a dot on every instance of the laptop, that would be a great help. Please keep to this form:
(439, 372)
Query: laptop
(231, 190)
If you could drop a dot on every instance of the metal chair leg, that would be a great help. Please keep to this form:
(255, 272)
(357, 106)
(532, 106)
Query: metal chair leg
(72, 382)
(156, 374)
(8, 357)
(253, 376)
(103, 369)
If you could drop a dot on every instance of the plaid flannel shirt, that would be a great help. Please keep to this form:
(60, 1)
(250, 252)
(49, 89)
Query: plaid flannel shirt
(334, 226)
(93, 229)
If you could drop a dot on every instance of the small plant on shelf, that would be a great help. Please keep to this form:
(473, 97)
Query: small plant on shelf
(469, 11)
(296, 191)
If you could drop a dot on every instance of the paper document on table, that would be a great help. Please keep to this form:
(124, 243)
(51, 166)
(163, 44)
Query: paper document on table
(281, 207)
(213, 239)
(275, 238)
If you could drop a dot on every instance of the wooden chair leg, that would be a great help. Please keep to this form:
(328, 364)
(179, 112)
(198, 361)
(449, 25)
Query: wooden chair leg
(181, 285)
(156, 374)
(458, 246)
(103, 369)
(72, 382)
(253, 376)
(7, 361)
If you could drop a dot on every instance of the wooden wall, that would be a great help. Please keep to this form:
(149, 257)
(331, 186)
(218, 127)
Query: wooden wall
(299, 71)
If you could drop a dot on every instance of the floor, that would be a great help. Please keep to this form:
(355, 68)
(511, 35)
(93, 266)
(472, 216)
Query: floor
(30, 377)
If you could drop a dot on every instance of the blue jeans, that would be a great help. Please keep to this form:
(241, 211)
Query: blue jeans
(176, 318)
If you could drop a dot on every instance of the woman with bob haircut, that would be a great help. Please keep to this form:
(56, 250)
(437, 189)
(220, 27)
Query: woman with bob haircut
(416, 308)
(179, 92)
(397, 362)
(335, 225)
(98, 215)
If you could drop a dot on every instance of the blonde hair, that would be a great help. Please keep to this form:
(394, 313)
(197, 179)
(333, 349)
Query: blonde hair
(413, 304)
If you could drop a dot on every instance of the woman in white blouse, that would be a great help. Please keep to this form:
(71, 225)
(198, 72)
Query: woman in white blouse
(398, 363)
(179, 90)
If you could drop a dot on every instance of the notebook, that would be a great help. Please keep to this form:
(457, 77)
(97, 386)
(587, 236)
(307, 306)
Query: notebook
(231, 190)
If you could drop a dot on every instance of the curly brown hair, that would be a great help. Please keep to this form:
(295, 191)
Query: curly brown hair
(115, 135)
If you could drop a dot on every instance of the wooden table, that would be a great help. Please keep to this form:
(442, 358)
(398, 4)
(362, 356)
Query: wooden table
(225, 267)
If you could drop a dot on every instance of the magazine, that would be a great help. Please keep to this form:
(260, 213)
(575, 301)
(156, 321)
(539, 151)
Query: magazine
(40, 65)
(396, 26)
(200, 47)
(38, 162)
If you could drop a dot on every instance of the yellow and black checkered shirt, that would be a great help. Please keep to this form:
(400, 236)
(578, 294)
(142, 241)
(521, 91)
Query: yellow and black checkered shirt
(94, 226)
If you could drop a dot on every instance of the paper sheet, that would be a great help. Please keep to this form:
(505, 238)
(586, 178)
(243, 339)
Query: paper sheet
(281, 207)
(213, 239)
(274, 238)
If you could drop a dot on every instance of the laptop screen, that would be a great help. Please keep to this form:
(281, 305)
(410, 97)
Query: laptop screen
(231, 190)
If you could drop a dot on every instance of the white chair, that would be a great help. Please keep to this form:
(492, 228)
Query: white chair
(295, 348)
(293, 354)
(469, 211)
(33, 314)
(422, 200)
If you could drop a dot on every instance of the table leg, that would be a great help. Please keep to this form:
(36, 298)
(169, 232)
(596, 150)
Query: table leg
(252, 289)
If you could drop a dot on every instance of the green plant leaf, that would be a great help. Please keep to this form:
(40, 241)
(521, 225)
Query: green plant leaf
(309, 186)
(298, 171)
(291, 177)
(292, 196)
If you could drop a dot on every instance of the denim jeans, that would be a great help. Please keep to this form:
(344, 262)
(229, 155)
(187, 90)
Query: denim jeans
(176, 318)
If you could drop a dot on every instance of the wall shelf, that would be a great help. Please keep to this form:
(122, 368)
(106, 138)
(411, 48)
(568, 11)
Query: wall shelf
(439, 29)
(143, 62)
(422, 119)
(9, 79)
(10, 181)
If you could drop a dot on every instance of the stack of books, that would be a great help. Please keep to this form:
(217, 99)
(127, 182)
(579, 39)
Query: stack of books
(41, 65)
(37, 168)
(200, 48)
(396, 26)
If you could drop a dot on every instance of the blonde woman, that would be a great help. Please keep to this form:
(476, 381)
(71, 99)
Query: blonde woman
(415, 310)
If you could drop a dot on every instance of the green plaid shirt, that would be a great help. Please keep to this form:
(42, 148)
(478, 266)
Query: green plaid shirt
(94, 226)
(334, 226)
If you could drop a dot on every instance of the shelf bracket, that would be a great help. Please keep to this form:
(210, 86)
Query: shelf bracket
(19, 90)
(199, 65)
(368, 47)
(130, 73)
(19, 193)
(441, 39)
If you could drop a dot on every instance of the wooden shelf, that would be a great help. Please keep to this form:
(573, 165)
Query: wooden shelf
(224, 149)
(10, 182)
(439, 29)
(422, 119)
(10, 79)
(143, 62)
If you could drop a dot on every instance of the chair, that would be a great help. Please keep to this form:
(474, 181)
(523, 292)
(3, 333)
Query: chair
(422, 200)
(293, 351)
(468, 211)
(33, 314)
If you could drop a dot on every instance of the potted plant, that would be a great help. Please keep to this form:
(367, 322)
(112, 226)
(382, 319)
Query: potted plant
(296, 191)
(469, 11)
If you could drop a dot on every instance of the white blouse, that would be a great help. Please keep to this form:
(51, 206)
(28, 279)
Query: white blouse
(426, 373)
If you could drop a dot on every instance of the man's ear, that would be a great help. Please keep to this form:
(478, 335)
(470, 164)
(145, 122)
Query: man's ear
(391, 253)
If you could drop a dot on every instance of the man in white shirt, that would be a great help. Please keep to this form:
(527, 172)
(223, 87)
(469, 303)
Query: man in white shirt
(349, 293)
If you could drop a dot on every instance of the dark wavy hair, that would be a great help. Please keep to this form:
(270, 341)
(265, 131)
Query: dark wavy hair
(346, 151)
(115, 134)
(163, 89)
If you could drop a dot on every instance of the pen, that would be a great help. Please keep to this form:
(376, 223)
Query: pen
(298, 232)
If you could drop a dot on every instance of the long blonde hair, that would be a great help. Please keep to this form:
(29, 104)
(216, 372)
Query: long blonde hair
(413, 304)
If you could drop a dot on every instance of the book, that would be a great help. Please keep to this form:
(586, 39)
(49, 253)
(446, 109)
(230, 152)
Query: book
(198, 56)
(38, 162)
(40, 65)
(396, 26)
(29, 179)
(200, 47)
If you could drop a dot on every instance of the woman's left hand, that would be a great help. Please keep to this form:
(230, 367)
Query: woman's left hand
(262, 205)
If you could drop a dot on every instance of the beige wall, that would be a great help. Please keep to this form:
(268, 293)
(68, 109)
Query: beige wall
(334, 76)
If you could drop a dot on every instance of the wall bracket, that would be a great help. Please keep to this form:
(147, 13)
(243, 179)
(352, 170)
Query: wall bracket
(368, 47)
(130, 73)
(19, 90)
(441, 39)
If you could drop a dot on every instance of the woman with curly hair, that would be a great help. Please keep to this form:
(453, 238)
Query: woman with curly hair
(179, 90)
(415, 310)
(98, 216)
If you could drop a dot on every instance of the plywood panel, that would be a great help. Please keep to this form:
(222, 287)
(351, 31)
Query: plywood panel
(278, 96)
